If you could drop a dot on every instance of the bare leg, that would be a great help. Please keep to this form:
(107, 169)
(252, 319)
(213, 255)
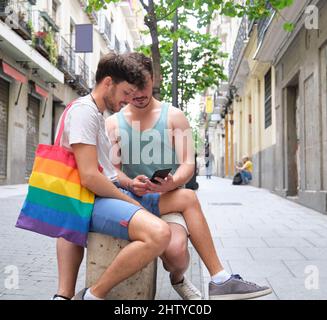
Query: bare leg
(186, 202)
(69, 257)
(150, 236)
(176, 257)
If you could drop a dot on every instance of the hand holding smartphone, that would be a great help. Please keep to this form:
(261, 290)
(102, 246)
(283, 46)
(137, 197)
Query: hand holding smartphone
(163, 174)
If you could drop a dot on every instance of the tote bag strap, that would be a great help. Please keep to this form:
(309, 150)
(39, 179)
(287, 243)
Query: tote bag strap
(62, 124)
(62, 127)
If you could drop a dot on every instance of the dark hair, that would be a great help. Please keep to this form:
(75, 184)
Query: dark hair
(120, 68)
(144, 61)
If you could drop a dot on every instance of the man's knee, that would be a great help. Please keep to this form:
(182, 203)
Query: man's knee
(161, 235)
(189, 196)
(178, 245)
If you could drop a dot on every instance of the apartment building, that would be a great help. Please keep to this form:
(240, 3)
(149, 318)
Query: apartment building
(277, 109)
(40, 70)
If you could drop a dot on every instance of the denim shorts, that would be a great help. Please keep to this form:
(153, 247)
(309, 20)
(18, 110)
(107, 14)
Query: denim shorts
(112, 216)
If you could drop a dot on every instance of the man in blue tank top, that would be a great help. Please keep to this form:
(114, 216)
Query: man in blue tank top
(150, 136)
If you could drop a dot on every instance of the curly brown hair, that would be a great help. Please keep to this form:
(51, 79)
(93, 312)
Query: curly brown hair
(121, 68)
(143, 61)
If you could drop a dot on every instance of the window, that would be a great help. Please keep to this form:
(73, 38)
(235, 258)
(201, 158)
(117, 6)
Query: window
(268, 100)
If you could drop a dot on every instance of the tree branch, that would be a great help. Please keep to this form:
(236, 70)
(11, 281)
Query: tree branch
(168, 14)
(144, 5)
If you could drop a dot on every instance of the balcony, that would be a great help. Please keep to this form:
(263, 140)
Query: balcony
(117, 45)
(273, 40)
(45, 39)
(242, 38)
(18, 15)
(82, 81)
(92, 81)
(14, 46)
(262, 24)
(50, 21)
(93, 16)
(67, 61)
(105, 29)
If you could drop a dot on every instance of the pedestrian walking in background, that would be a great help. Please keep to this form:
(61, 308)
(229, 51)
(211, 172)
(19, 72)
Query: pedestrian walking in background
(209, 160)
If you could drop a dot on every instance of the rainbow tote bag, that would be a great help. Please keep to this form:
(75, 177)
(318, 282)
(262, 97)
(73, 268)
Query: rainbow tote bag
(57, 205)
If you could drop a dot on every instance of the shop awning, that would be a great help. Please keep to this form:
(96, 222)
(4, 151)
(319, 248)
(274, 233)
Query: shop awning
(41, 91)
(12, 72)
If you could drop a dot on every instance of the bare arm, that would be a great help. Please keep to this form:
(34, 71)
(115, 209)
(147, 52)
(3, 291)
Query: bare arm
(91, 178)
(184, 147)
(136, 185)
(183, 142)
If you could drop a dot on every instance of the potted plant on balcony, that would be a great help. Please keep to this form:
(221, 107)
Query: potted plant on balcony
(39, 43)
(52, 48)
(24, 29)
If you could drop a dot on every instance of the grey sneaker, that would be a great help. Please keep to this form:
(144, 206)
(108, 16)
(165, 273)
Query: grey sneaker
(187, 290)
(236, 288)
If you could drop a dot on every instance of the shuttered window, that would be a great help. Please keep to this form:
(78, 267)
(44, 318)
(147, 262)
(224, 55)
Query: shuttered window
(4, 102)
(32, 136)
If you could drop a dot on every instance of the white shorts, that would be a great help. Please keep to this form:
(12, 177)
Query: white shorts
(176, 218)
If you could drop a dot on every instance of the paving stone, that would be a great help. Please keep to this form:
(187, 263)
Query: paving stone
(296, 237)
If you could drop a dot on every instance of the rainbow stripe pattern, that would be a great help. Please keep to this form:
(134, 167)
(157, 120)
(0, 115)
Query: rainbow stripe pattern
(57, 205)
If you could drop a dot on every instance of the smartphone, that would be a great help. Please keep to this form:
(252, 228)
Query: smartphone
(160, 174)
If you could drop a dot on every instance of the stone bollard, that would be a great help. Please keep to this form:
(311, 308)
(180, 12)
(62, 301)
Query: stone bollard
(101, 251)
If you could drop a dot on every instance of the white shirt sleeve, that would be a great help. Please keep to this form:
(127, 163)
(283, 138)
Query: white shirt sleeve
(83, 125)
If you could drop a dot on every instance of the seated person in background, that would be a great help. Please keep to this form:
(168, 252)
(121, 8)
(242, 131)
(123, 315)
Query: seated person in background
(246, 170)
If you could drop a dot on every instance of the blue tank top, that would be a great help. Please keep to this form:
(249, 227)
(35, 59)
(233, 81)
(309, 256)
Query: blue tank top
(142, 153)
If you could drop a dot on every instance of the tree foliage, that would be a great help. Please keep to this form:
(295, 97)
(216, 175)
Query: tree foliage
(199, 67)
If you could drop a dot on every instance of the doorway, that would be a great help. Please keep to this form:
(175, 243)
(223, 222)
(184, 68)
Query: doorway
(293, 137)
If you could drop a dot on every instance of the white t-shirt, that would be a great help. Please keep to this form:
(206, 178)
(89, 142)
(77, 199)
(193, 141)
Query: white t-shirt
(85, 124)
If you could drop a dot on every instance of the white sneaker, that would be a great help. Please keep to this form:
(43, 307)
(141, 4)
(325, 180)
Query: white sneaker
(59, 297)
(187, 290)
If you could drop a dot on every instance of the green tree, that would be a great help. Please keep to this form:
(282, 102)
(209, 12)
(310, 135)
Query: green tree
(199, 67)
(203, 10)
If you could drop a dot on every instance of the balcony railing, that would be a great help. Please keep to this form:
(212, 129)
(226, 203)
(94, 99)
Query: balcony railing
(83, 77)
(117, 45)
(240, 43)
(46, 37)
(18, 15)
(263, 24)
(92, 80)
(51, 21)
(67, 61)
(105, 29)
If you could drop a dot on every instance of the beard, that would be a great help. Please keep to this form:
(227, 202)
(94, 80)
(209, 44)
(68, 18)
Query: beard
(109, 104)
(142, 105)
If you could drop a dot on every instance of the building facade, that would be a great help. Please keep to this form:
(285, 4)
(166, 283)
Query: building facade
(277, 114)
(40, 70)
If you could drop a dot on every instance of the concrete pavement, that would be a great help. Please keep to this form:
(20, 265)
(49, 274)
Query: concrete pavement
(259, 235)
(267, 239)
